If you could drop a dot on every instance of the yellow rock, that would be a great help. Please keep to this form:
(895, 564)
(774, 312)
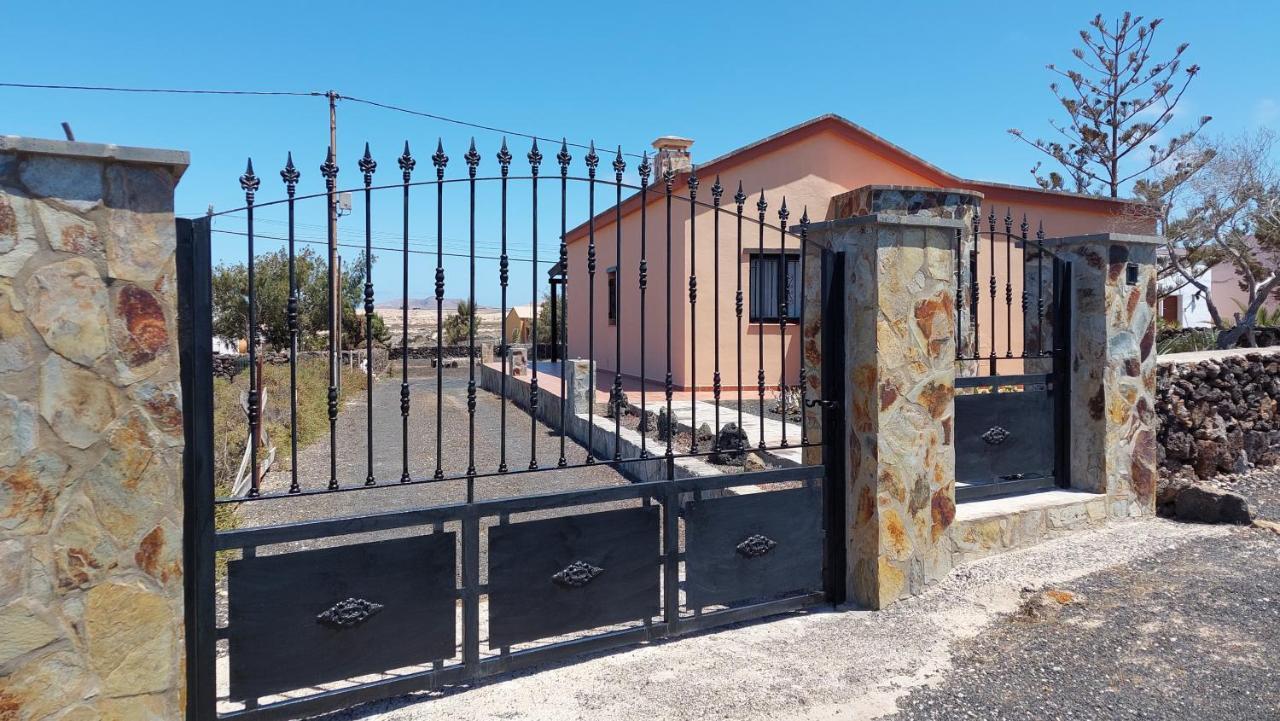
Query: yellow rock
(44, 686)
(131, 640)
(23, 632)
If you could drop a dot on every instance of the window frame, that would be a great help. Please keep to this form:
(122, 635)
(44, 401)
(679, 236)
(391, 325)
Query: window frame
(790, 259)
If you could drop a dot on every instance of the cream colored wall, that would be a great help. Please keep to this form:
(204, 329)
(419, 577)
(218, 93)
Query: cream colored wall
(807, 172)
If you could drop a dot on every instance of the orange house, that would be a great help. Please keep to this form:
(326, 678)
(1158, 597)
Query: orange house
(808, 165)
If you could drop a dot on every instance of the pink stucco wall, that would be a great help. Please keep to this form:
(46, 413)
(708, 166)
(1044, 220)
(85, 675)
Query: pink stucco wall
(807, 169)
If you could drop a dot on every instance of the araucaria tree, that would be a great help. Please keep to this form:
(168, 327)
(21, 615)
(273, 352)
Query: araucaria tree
(1117, 104)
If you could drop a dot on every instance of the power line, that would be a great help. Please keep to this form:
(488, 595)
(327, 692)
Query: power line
(433, 116)
(177, 91)
(289, 93)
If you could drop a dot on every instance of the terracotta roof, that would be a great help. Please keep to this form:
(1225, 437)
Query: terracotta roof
(842, 124)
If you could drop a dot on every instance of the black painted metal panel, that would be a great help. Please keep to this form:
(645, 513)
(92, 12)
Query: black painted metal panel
(558, 575)
(757, 546)
(1004, 436)
(306, 618)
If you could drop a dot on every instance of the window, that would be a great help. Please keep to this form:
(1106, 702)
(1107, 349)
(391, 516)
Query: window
(767, 286)
(613, 297)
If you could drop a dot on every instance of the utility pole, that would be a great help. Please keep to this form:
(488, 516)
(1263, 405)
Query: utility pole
(335, 275)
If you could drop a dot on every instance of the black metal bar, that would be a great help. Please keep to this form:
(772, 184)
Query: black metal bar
(592, 160)
(693, 312)
(740, 199)
(974, 293)
(785, 287)
(668, 177)
(472, 159)
(504, 161)
(439, 160)
(406, 164)
(671, 556)
(460, 477)
(644, 317)
(535, 161)
(717, 190)
(804, 371)
(1026, 293)
(992, 226)
(195, 353)
(834, 441)
(329, 169)
(249, 183)
(290, 176)
(1061, 339)
(367, 168)
(470, 594)
(619, 166)
(757, 300)
(564, 158)
(1008, 282)
(1040, 289)
(960, 290)
(1003, 380)
(304, 530)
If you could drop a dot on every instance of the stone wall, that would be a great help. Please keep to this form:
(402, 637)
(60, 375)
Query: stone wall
(91, 434)
(1219, 411)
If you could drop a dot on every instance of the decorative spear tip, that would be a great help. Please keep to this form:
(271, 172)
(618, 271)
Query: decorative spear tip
(439, 145)
(288, 162)
(406, 147)
(366, 149)
(248, 168)
(804, 216)
(564, 143)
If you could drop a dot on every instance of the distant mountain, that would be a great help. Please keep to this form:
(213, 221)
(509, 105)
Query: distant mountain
(450, 304)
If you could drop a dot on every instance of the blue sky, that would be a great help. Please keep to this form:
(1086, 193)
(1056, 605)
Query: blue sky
(723, 75)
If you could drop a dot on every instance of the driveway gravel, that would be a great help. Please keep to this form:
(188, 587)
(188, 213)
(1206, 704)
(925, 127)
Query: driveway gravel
(1186, 633)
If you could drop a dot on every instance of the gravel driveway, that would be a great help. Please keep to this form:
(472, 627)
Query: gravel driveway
(522, 436)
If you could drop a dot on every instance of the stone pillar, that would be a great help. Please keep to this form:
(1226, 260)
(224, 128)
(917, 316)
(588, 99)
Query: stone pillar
(91, 434)
(899, 400)
(1112, 367)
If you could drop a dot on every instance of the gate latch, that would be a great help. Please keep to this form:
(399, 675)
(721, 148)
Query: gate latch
(811, 402)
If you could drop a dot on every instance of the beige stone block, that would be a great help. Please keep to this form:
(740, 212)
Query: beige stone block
(130, 639)
(67, 305)
(140, 246)
(1096, 509)
(28, 492)
(18, 430)
(139, 332)
(75, 402)
(83, 552)
(69, 232)
(24, 631)
(13, 566)
(43, 686)
(1067, 517)
(16, 348)
(17, 233)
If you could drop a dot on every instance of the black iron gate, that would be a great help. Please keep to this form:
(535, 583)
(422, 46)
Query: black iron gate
(323, 613)
(1011, 410)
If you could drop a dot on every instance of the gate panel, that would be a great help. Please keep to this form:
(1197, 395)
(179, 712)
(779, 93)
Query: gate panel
(753, 547)
(572, 573)
(306, 618)
(1005, 435)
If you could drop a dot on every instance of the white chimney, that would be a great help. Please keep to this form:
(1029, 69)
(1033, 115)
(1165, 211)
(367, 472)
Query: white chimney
(672, 153)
